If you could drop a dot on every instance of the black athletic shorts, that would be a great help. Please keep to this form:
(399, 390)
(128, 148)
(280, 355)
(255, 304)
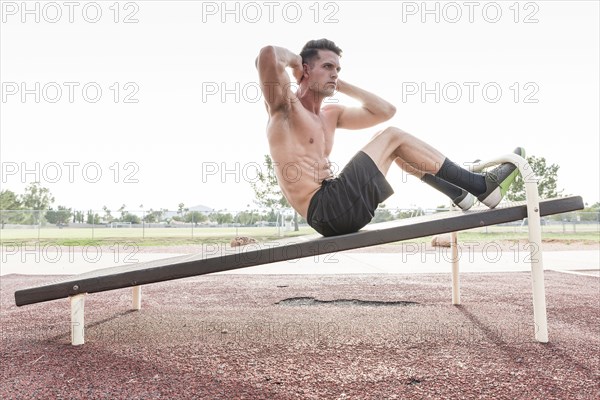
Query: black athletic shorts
(347, 203)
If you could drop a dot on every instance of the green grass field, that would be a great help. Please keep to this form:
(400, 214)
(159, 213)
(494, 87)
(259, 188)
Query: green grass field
(183, 236)
(144, 237)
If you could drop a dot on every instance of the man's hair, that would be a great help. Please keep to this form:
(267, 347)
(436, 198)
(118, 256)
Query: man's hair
(310, 51)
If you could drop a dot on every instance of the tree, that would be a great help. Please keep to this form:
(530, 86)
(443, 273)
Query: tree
(221, 218)
(128, 217)
(107, 216)
(92, 219)
(61, 216)
(594, 207)
(267, 191)
(9, 203)
(153, 216)
(164, 211)
(78, 217)
(271, 216)
(591, 213)
(122, 211)
(246, 217)
(547, 184)
(382, 214)
(36, 198)
(195, 216)
(181, 210)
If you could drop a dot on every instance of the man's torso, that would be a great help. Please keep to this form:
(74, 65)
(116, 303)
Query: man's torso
(300, 143)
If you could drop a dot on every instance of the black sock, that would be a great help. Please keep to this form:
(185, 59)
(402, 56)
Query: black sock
(457, 175)
(447, 188)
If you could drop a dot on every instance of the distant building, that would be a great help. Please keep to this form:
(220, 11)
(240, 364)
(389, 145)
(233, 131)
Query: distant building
(200, 208)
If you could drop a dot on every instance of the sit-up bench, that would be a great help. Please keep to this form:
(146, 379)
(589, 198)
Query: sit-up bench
(77, 287)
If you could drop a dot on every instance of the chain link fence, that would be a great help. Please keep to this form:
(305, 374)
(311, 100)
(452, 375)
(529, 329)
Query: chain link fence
(90, 224)
(40, 224)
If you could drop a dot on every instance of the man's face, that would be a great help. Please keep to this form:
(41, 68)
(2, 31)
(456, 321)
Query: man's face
(323, 73)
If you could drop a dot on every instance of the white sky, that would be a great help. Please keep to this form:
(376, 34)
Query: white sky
(180, 50)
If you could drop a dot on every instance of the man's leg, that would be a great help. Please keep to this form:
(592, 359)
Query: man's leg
(419, 158)
(460, 197)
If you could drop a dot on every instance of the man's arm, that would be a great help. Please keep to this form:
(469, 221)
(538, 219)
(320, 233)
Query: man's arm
(274, 80)
(374, 109)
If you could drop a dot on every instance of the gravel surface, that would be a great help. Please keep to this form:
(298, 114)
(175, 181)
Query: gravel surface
(308, 337)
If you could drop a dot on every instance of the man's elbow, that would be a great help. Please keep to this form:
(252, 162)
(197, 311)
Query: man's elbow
(267, 49)
(267, 52)
(389, 111)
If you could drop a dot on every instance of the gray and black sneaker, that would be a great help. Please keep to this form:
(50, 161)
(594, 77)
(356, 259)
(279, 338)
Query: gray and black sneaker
(498, 180)
(464, 201)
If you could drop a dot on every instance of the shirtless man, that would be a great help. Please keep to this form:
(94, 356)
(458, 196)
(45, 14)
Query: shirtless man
(301, 135)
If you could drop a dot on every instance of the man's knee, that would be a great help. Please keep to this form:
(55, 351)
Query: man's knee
(392, 134)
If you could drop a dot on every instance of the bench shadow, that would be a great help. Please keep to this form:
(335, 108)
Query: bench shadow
(92, 325)
(522, 341)
(496, 335)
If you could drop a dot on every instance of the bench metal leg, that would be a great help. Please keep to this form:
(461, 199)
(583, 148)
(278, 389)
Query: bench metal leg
(77, 319)
(137, 298)
(535, 239)
(78, 311)
(537, 266)
(455, 271)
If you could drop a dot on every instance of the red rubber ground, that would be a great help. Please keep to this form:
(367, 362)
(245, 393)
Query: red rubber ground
(224, 337)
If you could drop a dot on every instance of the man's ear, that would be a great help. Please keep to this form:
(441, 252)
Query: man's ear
(305, 69)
